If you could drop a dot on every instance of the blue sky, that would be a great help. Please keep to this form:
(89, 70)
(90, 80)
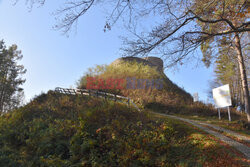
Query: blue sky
(53, 60)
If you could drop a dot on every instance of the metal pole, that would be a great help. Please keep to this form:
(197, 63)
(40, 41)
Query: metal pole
(219, 113)
(229, 116)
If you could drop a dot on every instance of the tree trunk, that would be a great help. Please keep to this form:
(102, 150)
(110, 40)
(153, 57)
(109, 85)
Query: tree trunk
(243, 75)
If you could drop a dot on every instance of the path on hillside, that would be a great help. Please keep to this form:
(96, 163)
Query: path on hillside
(240, 147)
(237, 135)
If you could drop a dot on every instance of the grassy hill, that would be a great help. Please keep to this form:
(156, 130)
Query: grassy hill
(59, 130)
(168, 97)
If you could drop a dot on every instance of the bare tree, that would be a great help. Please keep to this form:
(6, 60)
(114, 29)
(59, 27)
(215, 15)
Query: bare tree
(184, 26)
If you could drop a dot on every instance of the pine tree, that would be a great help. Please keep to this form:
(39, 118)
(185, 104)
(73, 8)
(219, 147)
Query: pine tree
(10, 77)
(227, 69)
(226, 73)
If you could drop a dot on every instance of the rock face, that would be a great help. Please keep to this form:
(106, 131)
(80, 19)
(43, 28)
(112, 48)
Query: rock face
(151, 61)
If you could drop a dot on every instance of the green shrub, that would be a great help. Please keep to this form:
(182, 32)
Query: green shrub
(60, 130)
(170, 94)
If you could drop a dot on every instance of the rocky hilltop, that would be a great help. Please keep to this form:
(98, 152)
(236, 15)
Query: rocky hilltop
(151, 61)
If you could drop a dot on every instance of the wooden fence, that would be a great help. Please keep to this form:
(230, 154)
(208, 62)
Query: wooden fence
(97, 93)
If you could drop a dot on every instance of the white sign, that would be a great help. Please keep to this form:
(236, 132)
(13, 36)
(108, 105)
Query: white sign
(222, 96)
(196, 97)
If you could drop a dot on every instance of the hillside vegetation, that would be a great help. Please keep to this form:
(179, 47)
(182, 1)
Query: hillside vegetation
(60, 130)
(170, 99)
(169, 96)
(67, 130)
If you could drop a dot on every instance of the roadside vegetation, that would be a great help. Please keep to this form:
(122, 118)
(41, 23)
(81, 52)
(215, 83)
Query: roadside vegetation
(207, 113)
(238, 124)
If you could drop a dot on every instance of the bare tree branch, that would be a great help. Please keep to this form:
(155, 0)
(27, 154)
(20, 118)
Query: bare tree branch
(71, 13)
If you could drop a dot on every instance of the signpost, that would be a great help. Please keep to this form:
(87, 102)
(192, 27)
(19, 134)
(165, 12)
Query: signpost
(219, 113)
(196, 97)
(222, 98)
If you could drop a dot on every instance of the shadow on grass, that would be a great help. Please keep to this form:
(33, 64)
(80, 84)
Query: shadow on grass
(193, 147)
(202, 112)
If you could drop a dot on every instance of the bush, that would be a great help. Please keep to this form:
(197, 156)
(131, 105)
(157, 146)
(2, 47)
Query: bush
(170, 94)
(60, 130)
